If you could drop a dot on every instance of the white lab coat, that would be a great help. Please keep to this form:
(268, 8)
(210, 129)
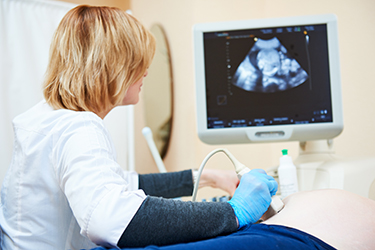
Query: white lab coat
(64, 188)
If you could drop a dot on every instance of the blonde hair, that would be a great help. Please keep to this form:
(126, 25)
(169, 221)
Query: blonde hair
(96, 54)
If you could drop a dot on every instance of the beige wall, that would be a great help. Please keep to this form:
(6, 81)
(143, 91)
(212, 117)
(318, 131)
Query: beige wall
(357, 53)
(122, 4)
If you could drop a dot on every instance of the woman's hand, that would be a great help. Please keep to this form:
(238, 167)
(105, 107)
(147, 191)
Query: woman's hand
(223, 179)
(253, 196)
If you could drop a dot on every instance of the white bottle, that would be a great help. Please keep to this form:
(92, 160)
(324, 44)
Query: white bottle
(287, 175)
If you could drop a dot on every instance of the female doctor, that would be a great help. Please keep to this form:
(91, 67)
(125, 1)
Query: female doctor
(64, 188)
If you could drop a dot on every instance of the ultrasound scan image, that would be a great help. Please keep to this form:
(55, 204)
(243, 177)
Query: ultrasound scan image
(269, 68)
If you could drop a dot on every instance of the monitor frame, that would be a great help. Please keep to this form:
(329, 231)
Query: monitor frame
(273, 133)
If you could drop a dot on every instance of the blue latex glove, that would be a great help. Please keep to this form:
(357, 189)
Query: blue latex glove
(253, 196)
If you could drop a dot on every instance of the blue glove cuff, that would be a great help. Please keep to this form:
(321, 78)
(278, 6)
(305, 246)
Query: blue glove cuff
(240, 216)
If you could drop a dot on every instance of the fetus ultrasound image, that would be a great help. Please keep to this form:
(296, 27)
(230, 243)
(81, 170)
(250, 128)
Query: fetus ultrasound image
(266, 77)
(269, 68)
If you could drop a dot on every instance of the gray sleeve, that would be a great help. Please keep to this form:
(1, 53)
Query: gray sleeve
(162, 221)
(167, 185)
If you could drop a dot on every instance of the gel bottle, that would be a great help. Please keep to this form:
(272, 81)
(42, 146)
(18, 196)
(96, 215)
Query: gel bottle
(287, 175)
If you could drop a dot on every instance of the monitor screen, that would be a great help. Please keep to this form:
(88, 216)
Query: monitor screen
(268, 80)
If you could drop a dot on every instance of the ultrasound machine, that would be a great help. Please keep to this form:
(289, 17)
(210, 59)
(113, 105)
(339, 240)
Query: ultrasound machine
(274, 80)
